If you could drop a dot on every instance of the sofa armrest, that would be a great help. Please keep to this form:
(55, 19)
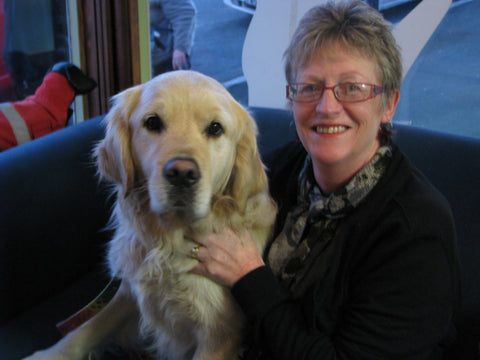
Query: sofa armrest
(53, 210)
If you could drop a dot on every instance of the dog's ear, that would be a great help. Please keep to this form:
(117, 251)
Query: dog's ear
(113, 153)
(248, 175)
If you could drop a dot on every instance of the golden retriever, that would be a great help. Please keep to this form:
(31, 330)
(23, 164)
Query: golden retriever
(183, 157)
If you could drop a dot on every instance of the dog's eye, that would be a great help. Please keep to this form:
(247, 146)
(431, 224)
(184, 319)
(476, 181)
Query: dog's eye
(215, 129)
(154, 123)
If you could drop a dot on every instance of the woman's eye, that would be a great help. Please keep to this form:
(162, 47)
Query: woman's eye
(308, 89)
(353, 88)
(215, 129)
(154, 123)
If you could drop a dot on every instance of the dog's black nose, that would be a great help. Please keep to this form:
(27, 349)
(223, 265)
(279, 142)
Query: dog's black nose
(182, 172)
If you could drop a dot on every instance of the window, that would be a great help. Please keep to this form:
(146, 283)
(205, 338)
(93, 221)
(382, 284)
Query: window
(441, 89)
(103, 37)
(33, 37)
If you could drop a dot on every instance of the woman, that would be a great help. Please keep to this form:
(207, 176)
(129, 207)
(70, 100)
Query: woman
(362, 264)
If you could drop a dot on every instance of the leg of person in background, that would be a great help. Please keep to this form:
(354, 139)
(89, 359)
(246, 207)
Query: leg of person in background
(45, 111)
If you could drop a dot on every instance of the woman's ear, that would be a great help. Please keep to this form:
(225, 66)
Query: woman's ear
(390, 107)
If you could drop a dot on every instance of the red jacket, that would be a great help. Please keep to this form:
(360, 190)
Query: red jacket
(42, 113)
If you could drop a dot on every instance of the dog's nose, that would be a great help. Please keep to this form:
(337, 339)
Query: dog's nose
(182, 172)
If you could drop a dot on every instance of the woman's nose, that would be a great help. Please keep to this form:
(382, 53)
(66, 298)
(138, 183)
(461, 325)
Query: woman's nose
(328, 103)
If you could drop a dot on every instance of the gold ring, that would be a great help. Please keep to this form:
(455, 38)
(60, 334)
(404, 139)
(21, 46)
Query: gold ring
(194, 252)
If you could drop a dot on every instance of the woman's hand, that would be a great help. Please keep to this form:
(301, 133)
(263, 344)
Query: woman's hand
(226, 257)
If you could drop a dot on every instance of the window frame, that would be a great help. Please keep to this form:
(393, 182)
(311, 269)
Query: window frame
(98, 29)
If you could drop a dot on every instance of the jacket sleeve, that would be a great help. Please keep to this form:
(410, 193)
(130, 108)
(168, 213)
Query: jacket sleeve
(277, 321)
(399, 306)
(182, 16)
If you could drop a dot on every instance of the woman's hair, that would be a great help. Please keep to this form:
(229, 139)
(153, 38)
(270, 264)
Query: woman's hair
(355, 24)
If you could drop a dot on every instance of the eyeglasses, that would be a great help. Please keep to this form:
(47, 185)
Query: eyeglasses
(345, 92)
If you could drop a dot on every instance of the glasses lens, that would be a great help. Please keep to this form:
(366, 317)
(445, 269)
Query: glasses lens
(353, 91)
(304, 92)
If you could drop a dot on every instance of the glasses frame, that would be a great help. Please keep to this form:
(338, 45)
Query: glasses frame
(374, 91)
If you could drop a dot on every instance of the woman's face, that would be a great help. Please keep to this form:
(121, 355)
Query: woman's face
(340, 137)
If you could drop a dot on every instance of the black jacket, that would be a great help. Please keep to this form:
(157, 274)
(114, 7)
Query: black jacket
(393, 286)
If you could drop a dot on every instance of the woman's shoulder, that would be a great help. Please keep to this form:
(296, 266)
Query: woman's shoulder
(405, 214)
(412, 194)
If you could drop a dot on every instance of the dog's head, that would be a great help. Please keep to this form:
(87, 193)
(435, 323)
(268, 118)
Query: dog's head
(182, 140)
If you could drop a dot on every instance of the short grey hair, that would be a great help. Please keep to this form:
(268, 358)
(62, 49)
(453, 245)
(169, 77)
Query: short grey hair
(359, 27)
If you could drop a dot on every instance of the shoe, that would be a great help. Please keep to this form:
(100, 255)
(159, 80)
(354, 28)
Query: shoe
(79, 82)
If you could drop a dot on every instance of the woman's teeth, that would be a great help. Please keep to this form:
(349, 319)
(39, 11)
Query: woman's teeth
(330, 129)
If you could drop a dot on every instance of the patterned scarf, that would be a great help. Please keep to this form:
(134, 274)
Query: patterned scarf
(313, 223)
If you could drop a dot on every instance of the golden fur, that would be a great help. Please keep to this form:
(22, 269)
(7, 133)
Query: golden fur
(188, 124)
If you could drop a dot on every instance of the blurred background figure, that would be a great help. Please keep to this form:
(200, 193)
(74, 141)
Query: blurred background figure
(35, 37)
(172, 24)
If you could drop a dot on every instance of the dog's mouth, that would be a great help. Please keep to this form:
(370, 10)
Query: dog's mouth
(173, 199)
(179, 191)
(184, 204)
(180, 214)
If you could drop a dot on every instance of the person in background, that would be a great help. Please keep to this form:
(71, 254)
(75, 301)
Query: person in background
(45, 111)
(35, 38)
(172, 24)
(363, 261)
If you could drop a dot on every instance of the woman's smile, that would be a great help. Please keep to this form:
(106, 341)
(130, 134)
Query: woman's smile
(330, 130)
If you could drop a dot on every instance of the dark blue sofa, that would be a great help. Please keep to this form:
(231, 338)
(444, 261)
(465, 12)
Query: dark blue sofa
(53, 211)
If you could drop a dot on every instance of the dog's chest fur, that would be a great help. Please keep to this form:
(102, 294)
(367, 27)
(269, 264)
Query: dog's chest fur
(175, 305)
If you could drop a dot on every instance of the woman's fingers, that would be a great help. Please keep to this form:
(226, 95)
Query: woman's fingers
(225, 257)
